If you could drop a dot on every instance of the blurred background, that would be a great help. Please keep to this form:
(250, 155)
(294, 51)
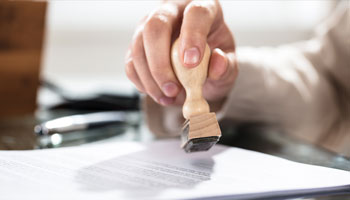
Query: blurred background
(72, 53)
(86, 41)
(62, 79)
(69, 57)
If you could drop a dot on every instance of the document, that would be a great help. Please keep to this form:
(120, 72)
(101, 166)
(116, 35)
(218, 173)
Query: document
(159, 170)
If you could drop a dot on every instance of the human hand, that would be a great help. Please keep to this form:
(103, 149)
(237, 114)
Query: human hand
(196, 23)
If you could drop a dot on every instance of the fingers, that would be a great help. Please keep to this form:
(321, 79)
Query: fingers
(142, 70)
(157, 35)
(150, 69)
(149, 66)
(197, 22)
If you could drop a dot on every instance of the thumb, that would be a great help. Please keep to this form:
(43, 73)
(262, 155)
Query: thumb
(223, 71)
(222, 66)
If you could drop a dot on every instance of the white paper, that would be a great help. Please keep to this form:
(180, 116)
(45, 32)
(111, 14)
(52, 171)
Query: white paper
(157, 170)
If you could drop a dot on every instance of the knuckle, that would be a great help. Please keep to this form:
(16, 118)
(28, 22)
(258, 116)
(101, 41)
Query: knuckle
(135, 54)
(138, 32)
(128, 58)
(157, 23)
(137, 49)
(136, 41)
(129, 70)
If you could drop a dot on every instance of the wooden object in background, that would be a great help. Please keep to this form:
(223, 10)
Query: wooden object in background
(21, 39)
(201, 129)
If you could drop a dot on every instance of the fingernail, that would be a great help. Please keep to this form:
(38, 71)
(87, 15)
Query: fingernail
(191, 56)
(170, 89)
(166, 101)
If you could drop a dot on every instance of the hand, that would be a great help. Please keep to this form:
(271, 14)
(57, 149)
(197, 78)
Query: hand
(148, 63)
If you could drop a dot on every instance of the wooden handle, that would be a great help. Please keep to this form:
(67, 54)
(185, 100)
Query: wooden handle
(192, 79)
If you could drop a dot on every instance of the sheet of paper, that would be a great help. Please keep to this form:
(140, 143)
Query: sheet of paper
(157, 170)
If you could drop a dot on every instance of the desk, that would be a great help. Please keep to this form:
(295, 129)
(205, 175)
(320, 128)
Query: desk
(17, 133)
